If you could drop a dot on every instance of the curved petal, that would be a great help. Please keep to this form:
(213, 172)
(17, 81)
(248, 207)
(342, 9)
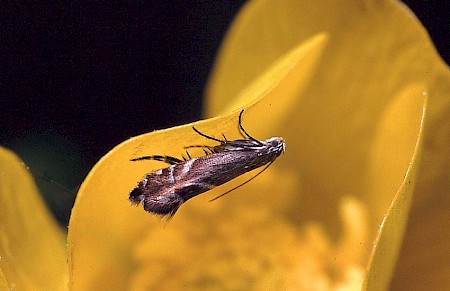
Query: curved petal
(376, 49)
(103, 222)
(332, 119)
(32, 247)
(388, 153)
(287, 76)
(246, 241)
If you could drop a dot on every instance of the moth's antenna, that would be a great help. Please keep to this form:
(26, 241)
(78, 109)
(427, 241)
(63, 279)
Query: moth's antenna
(241, 129)
(207, 136)
(223, 194)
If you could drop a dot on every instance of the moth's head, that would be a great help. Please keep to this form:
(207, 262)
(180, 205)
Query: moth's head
(277, 145)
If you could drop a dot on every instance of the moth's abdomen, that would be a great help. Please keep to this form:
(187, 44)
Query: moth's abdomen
(166, 204)
(163, 204)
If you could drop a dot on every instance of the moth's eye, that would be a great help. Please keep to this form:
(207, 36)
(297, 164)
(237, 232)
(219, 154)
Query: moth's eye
(274, 143)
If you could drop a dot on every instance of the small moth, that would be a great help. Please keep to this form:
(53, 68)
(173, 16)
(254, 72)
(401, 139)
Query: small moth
(162, 192)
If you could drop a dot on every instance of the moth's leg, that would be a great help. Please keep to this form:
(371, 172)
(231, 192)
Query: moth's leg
(204, 147)
(188, 156)
(166, 159)
(207, 136)
(198, 146)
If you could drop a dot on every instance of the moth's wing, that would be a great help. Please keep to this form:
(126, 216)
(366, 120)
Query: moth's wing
(163, 203)
(237, 145)
(156, 195)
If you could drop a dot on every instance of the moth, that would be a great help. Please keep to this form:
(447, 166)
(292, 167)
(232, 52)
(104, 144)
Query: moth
(162, 192)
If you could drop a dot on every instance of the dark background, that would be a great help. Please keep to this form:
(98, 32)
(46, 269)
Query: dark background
(78, 79)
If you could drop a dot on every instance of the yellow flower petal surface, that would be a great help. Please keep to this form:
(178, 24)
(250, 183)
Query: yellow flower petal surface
(376, 51)
(330, 79)
(32, 247)
(388, 153)
(105, 230)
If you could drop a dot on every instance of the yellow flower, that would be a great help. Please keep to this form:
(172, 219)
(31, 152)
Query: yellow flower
(359, 199)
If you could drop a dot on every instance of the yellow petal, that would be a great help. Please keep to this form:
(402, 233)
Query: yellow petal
(32, 247)
(296, 225)
(105, 229)
(376, 50)
(388, 159)
(287, 77)
(3, 281)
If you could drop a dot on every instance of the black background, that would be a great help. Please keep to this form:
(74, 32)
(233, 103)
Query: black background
(78, 79)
